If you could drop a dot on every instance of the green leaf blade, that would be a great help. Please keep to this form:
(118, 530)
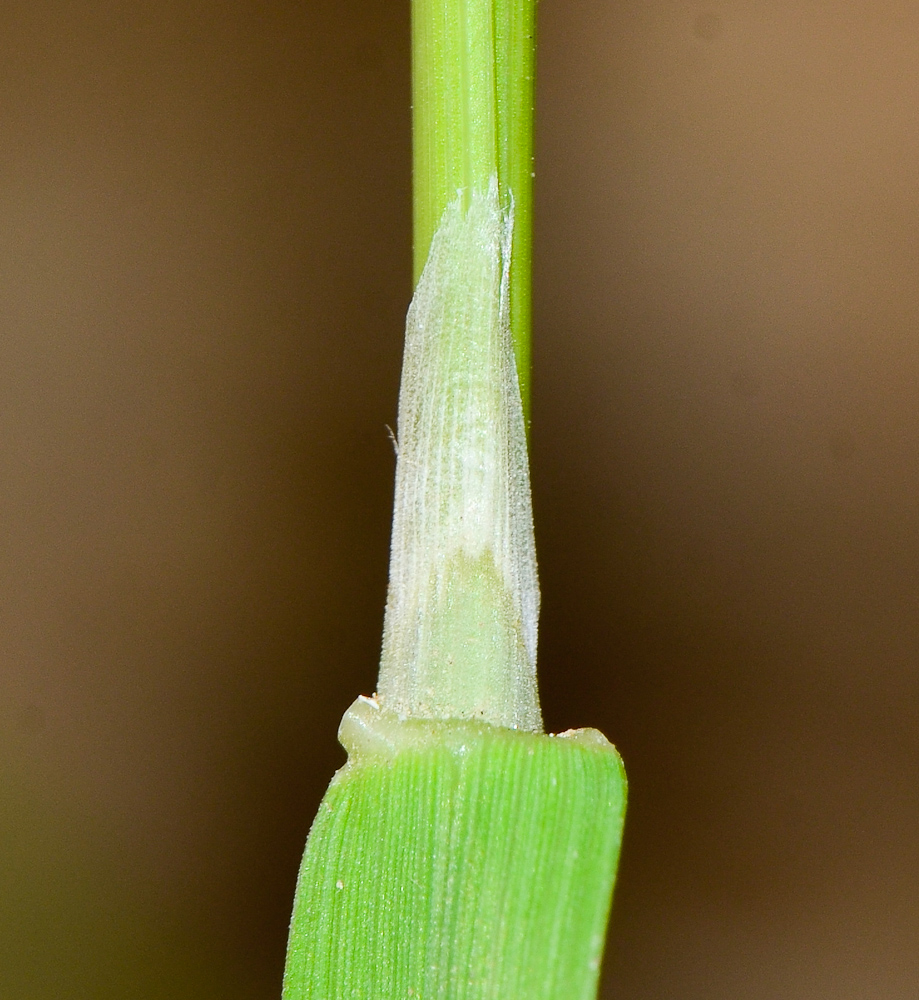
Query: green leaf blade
(460, 861)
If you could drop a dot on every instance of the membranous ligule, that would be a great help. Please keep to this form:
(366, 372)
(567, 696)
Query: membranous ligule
(460, 630)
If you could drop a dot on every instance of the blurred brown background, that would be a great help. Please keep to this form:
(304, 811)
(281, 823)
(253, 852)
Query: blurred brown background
(204, 216)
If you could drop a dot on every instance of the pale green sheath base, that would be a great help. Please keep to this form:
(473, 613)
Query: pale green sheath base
(458, 861)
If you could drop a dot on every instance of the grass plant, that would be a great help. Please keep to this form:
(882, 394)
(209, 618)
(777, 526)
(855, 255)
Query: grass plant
(461, 852)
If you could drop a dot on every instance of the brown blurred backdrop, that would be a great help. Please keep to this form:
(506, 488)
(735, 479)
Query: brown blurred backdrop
(204, 219)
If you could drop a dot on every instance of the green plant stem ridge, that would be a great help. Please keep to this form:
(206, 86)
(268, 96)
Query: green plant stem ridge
(472, 92)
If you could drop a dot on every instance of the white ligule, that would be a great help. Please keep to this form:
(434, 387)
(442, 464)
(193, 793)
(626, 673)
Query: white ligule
(459, 638)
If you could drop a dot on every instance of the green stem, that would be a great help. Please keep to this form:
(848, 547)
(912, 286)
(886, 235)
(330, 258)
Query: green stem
(472, 90)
